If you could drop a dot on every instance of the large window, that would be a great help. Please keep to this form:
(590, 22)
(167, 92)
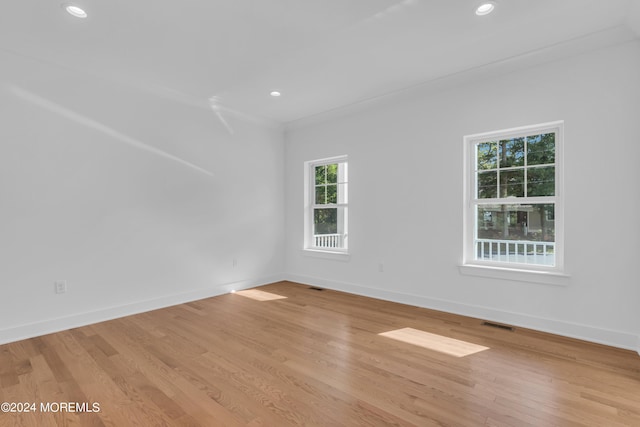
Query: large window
(513, 214)
(326, 222)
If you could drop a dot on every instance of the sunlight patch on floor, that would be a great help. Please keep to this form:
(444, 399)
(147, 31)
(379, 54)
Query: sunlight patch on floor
(450, 346)
(259, 295)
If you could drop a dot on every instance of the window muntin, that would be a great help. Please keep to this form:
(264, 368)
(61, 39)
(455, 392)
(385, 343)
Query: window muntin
(514, 198)
(327, 216)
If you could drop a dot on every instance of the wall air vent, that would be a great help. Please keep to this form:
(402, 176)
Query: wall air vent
(499, 326)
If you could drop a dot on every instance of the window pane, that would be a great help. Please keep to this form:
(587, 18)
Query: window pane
(332, 173)
(541, 181)
(321, 174)
(332, 193)
(512, 183)
(325, 221)
(486, 155)
(487, 185)
(511, 152)
(541, 149)
(321, 195)
(516, 233)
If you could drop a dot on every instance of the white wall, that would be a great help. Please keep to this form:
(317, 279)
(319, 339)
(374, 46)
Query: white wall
(405, 166)
(137, 200)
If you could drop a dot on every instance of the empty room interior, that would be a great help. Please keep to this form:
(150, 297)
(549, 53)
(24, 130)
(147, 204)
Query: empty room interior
(320, 213)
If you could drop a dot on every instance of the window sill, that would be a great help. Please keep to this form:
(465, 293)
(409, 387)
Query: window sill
(316, 253)
(516, 274)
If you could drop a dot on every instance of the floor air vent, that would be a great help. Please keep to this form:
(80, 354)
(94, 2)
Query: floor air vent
(499, 326)
(313, 288)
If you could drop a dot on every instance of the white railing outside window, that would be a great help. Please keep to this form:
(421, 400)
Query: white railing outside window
(328, 240)
(516, 251)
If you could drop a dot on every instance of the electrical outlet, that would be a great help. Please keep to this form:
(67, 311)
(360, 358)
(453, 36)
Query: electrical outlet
(60, 286)
(380, 267)
(235, 262)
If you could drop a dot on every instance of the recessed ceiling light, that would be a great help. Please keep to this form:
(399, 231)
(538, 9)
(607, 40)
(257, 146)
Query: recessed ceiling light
(74, 10)
(275, 93)
(485, 8)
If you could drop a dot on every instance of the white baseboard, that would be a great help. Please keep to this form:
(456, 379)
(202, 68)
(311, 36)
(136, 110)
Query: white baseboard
(588, 333)
(82, 319)
(608, 337)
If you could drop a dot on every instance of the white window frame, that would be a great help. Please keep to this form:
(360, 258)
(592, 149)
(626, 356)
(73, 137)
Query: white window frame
(310, 246)
(505, 269)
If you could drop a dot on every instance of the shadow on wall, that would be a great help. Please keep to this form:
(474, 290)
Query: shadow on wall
(98, 126)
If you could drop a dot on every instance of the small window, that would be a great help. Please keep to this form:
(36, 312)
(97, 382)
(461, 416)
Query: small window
(326, 221)
(513, 207)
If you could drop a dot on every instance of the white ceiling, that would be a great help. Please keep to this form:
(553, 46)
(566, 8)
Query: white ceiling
(321, 54)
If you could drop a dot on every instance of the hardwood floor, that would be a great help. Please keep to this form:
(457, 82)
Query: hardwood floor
(313, 358)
